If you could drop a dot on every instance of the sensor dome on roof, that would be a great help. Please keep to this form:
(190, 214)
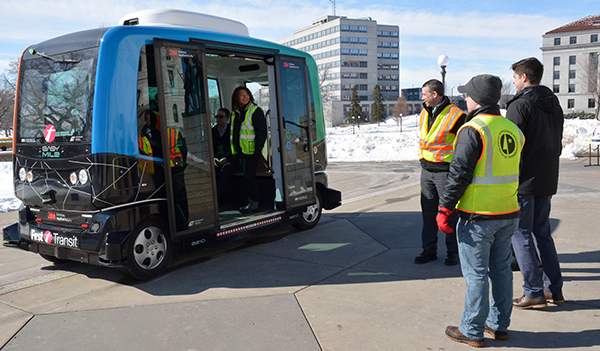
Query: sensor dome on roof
(185, 19)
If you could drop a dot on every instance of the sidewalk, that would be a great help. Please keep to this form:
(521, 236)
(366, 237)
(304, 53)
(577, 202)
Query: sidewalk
(348, 284)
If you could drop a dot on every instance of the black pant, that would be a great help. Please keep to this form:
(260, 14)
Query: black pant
(432, 189)
(249, 164)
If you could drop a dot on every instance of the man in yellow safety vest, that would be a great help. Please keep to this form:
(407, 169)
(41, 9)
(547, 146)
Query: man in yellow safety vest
(439, 121)
(482, 188)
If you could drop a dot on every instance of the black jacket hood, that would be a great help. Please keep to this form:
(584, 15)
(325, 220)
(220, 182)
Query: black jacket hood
(541, 96)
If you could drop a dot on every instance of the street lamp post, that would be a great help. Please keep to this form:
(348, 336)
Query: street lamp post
(443, 61)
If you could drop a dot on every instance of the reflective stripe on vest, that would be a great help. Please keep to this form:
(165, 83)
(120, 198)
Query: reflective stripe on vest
(437, 144)
(145, 147)
(493, 190)
(247, 135)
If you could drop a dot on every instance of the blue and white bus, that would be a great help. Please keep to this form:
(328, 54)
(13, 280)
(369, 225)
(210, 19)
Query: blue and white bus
(91, 195)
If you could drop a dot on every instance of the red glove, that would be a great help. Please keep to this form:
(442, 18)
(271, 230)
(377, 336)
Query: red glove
(442, 220)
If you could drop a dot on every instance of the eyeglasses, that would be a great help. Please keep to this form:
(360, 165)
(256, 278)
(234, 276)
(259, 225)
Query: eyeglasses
(220, 116)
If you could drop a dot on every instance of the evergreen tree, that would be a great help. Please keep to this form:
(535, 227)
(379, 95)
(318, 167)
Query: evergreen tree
(377, 109)
(355, 108)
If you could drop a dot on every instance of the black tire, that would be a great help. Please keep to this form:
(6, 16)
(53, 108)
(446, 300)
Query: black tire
(311, 215)
(52, 259)
(149, 250)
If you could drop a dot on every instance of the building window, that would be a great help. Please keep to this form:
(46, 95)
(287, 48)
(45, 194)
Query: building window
(571, 88)
(556, 41)
(572, 60)
(571, 103)
(363, 87)
(363, 64)
(573, 40)
(363, 76)
(571, 74)
(557, 61)
(591, 103)
(594, 38)
(556, 88)
(556, 74)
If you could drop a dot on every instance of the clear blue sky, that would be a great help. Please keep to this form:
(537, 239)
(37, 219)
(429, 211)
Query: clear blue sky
(478, 36)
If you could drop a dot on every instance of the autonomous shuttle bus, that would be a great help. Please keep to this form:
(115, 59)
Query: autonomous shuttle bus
(91, 190)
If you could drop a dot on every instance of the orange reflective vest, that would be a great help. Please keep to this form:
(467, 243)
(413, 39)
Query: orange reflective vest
(175, 143)
(437, 143)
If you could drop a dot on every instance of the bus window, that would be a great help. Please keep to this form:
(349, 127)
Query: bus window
(214, 97)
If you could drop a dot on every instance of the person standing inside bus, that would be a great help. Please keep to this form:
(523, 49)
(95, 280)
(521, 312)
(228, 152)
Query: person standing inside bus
(248, 136)
(439, 121)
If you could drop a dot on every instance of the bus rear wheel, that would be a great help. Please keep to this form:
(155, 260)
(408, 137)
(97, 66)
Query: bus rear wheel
(149, 250)
(311, 215)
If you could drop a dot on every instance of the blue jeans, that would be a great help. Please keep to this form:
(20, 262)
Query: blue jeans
(484, 251)
(532, 238)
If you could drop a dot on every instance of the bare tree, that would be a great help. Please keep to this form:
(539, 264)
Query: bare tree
(588, 76)
(326, 89)
(8, 81)
(505, 93)
(400, 108)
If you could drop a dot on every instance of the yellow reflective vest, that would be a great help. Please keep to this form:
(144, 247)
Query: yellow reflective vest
(437, 143)
(493, 190)
(247, 136)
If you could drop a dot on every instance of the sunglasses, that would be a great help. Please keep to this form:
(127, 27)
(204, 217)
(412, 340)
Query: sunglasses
(220, 116)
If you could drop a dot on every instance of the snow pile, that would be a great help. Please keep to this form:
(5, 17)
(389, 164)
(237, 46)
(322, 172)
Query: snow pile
(369, 143)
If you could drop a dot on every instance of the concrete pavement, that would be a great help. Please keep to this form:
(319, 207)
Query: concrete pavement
(348, 284)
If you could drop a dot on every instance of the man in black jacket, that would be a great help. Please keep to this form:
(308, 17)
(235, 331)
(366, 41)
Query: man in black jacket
(537, 112)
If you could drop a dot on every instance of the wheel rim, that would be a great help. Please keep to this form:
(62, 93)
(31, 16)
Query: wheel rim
(149, 248)
(312, 212)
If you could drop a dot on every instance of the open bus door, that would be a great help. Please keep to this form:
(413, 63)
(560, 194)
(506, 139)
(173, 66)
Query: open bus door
(294, 132)
(185, 121)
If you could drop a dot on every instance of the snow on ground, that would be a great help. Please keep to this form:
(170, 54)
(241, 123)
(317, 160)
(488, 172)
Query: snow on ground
(370, 142)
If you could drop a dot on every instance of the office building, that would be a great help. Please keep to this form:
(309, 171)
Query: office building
(351, 52)
(570, 58)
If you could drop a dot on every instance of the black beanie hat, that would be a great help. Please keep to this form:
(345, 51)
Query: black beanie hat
(484, 89)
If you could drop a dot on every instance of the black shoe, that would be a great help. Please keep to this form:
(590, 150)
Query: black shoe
(555, 299)
(496, 334)
(425, 257)
(454, 333)
(251, 206)
(451, 259)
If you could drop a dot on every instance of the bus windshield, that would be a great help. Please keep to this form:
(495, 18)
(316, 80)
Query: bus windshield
(56, 97)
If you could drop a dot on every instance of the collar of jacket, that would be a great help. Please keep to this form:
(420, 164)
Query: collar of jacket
(433, 112)
(525, 90)
(485, 109)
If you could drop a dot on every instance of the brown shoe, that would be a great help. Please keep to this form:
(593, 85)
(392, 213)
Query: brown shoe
(555, 299)
(525, 302)
(497, 334)
(453, 333)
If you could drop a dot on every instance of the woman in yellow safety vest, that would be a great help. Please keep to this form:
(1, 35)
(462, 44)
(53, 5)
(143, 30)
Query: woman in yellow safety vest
(248, 136)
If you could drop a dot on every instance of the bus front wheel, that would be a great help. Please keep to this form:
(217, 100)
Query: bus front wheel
(311, 215)
(149, 250)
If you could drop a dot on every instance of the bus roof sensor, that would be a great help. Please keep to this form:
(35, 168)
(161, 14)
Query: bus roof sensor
(185, 19)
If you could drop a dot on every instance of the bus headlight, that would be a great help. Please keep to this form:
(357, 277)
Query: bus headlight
(22, 174)
(73, 178)
(83, 176)
(30, 176)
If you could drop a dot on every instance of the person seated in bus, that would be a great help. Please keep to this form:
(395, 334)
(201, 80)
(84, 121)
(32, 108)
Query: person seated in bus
(149, 138)
(221, 135)
(248, 136)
